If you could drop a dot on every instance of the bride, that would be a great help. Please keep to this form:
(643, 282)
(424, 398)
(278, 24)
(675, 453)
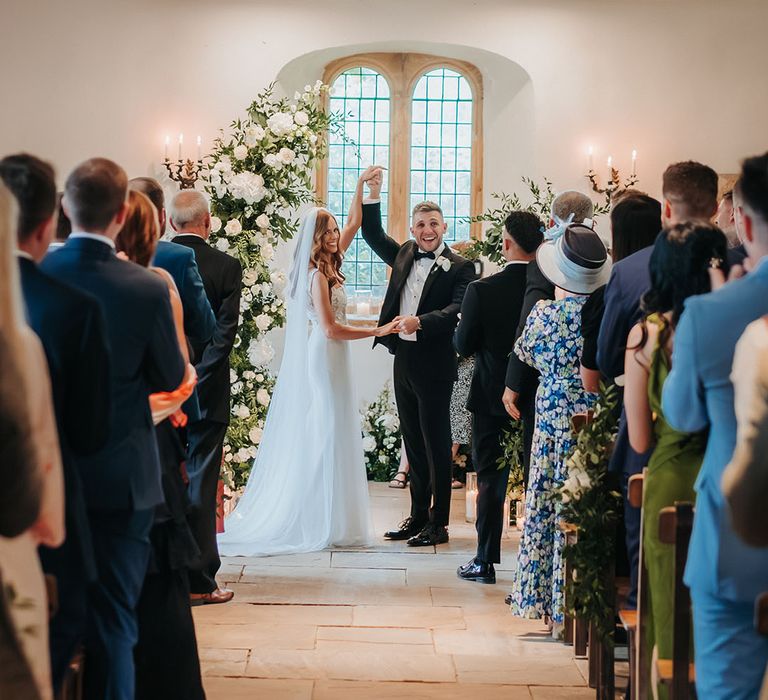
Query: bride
(308, 487)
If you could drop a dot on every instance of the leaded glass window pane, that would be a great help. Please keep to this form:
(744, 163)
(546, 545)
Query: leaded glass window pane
(361, 97)
(441, 118)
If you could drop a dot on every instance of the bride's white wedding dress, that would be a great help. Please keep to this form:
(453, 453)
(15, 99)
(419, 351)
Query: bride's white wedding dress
(308, 487)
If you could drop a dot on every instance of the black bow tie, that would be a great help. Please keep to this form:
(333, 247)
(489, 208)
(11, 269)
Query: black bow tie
(419, 255)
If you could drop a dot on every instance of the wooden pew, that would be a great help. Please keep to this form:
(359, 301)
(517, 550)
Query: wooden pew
(675, 525)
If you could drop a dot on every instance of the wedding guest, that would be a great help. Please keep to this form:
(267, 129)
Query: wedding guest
(745, 485)
(167, 662)
(635, 223)
(521, 380)
(724, 219)
(71, 326)
(24, 593)
(689, 192)
(63, 226)
(738, 255)
(122, 480)
(679, 268)
(425, 291)
(461, 418)
(222, 278)
(396, 482)
(724, 574)
(576, 262)
(486, 330)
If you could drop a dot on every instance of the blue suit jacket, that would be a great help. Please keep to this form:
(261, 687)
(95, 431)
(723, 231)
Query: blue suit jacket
(145, 358)
(630, 279)
(71, 327)
(698, 394)
(199, 321)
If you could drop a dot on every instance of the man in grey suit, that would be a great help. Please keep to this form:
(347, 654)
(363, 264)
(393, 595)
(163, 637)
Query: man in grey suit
(725, 575)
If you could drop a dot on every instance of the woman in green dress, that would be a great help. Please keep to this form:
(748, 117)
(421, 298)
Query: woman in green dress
(680, 267)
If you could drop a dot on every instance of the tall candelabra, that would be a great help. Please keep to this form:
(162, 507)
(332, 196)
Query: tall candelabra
(614, 184)
(185, 172)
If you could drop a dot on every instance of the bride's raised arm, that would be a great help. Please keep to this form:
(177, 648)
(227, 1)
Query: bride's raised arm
(355, 215)
(321, 298)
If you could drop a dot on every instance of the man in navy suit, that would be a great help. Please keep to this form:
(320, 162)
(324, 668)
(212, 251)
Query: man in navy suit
(121, 481)
(689, 192)
(70, 325)
(179, 261)
(725, 575)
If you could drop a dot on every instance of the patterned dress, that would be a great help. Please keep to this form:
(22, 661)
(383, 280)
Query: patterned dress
(551, 343)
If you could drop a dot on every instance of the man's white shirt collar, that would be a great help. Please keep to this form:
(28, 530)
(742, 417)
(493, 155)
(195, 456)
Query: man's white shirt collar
(24, 254)
(516, 262)
(94, 237)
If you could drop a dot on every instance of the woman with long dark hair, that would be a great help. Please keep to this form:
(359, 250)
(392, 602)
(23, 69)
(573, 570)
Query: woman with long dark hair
(680, 268)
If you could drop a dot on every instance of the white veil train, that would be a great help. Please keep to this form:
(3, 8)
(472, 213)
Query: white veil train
(312, 431)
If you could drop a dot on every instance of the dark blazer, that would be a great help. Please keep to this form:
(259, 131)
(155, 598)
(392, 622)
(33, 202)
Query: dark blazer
(199, 321)
(223, 279)
(489, 317)
(521, 377)
(71, 327)
(440, 299)
(145, 358)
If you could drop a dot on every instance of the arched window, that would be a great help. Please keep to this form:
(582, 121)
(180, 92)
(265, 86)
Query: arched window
(441, 146)
(361, 97)
(421, 117)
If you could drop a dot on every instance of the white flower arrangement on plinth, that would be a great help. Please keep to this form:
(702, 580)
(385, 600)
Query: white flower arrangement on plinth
(259, 175)
(381, 436)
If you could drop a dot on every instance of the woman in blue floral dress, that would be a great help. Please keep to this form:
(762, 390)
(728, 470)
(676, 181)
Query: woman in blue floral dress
(576, 262)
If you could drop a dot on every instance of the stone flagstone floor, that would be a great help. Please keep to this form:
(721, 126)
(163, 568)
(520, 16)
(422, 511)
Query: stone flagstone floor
(385, 622)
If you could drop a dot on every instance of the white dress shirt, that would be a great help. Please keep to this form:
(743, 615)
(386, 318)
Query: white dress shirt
(94, 237)
(414, 286)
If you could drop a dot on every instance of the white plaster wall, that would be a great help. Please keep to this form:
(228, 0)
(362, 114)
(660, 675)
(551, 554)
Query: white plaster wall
(675, 80)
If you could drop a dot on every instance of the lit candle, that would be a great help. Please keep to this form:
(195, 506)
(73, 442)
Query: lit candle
(634, 163)
(363, 308)
(181, 141)
(167, 143)
(589, 158)
(199, 143)
(610, 168)
(471, 498)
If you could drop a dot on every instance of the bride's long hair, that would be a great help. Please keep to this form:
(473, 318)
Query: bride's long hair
(328, 263)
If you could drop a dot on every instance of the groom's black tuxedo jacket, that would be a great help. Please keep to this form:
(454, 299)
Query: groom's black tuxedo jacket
(489, 317)
(433, 356)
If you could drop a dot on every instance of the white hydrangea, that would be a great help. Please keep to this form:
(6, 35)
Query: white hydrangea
(262, 396)
(260, 352)
(240, 152)
(215, 224)
(233, 227)
(263, 322)
(254, 134)
(262, 221)
(248, 187)
(280, 124)
(224, 165)
(286, 155)
(301, 118)
(369, 443)
(223, 245)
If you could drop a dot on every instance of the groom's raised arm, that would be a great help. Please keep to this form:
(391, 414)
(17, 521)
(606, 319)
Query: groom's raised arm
(374, 235)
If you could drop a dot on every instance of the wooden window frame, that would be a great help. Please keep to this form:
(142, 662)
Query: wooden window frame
(402, 71)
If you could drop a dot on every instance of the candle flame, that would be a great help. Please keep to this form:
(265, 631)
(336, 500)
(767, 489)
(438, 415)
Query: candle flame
(634, 154)
(199, 140)
(610, 161)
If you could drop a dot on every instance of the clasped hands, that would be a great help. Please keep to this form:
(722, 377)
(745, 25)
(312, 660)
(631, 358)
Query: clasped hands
(399, 324)
(373, 177)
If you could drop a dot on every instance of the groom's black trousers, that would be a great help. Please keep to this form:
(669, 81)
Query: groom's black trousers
(425, 421)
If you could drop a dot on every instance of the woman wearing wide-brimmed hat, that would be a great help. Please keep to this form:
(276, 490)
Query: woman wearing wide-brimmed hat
(575, 260)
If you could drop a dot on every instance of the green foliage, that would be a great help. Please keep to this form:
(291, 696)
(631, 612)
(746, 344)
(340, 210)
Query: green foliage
(589, 504)
(260, 174)
(512, 444)
(381, 437)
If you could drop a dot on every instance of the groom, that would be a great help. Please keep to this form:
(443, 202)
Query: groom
(425, 290)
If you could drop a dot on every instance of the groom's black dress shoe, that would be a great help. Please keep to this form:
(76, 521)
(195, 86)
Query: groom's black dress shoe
(430, 535)
(408, 528)
(476, 570)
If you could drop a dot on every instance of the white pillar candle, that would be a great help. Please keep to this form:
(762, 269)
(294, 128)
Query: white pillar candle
(363, 308)
(634, 163)
(181, 141)
(590, 164)
(199, 144)
(167, 143)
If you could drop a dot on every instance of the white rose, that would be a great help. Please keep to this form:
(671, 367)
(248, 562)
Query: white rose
(240, 152)
(224, 165)
(297, 95)
(286, 155)
(233, 227)
(248, 187)
(215, 224)
(250, 277)
(253, 134)
(243, 455)
(248, 374)
(301, 118)
(369, 443)
(307, 88)
(262, 396)
(259, 377)
(260, 352)
(255, 434)
(280, 124)
(232, 376)
(228, 457)
(262, 221)
(241, 411)
(223, 245)
(272, 161)
(263, 322)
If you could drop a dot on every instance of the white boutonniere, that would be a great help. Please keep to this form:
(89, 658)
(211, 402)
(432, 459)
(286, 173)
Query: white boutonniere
(443, 263)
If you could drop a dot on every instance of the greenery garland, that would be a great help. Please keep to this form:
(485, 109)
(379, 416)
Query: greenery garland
(259, 176)
(381, 437)
(512, 455)
(592, 507)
